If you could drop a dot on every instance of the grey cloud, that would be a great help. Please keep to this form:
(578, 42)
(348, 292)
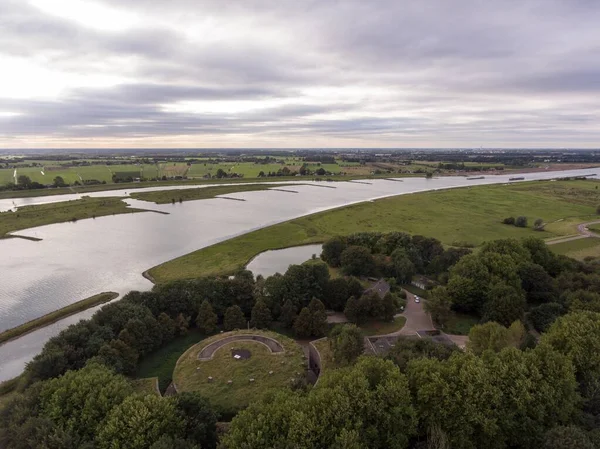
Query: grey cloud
(451, 69)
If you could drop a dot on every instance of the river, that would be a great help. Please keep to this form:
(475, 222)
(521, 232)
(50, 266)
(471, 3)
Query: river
(77, 260)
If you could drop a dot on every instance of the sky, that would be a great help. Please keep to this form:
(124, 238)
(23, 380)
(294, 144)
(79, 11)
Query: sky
(300, 73)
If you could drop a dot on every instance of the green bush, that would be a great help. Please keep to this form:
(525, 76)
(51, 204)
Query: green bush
(521, 222)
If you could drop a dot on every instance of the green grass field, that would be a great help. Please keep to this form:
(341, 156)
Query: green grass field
(455, 217)
(32, 216)
(161, 363)
(382, 327)
(167, 196)
(192, 375)
(460, 324)
(146, 386)
(326, 354)
(6, 175)
(578, 249)
(173, 169)
(99, 172)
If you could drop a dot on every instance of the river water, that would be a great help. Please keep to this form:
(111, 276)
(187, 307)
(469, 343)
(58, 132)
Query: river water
(77, 260)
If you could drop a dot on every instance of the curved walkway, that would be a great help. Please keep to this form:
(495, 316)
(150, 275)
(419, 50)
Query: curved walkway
(583, 230)
(209, 350)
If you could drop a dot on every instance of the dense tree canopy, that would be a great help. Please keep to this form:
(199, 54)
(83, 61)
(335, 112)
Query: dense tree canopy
(367, 405)
(347, 344)
(497, 393)
(234, 319)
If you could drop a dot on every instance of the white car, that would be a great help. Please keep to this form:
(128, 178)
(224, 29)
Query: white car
(417, 299)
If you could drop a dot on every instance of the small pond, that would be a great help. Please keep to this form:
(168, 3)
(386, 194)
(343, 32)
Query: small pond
(278, 261)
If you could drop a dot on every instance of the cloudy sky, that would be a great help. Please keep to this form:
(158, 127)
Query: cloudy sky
(299, 73)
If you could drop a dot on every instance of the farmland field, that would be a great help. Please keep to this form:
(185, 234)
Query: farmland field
(465, 216)
(6, 175)
(172, 169)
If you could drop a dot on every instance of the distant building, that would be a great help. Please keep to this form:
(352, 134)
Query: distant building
(381, 287)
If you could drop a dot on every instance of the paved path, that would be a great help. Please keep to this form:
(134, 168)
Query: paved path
(419, 320)
(416, 317)
(209, 350)
(583, 230)
(336, 317)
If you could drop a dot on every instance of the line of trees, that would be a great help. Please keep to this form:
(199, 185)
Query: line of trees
(390, 255)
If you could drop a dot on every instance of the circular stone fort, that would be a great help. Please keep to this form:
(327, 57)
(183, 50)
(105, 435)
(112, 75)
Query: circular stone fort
(233, 369)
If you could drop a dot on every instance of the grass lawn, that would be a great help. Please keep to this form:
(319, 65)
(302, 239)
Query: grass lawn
(146, 386)
(167, 196)
(192, 375)
(415, 290)
(7, 175)
(382, 327)
(460, 324)
(161, 363)
(172, 169)
(327, 362)
(578, 249)
(44, 214)
(455, 216)
(594, 228)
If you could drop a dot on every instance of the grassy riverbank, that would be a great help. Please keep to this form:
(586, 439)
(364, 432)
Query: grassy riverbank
(186, 182)
(43, 214)
(57, 315)
(129, 185)
(464, 216)
(168, 196)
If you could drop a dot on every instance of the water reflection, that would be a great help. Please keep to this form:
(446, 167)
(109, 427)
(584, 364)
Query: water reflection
(277, 261)
(78, 260)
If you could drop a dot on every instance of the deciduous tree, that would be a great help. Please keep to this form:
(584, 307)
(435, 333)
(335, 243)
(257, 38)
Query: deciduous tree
(167, 327)
(234, 319)
(347, 344)
(207, 319)
(351, 310)
(288, 314)
(318, 325)
(79, 401)
(571, 335)
(439, 305)
(505, 304)
(138, 422)
(357, 261)
(261, 315)
(303, 323)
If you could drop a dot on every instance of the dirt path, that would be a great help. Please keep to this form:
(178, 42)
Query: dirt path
(583, 230)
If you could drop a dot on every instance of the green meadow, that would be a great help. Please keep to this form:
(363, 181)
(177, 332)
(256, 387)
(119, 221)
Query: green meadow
(457, 217)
